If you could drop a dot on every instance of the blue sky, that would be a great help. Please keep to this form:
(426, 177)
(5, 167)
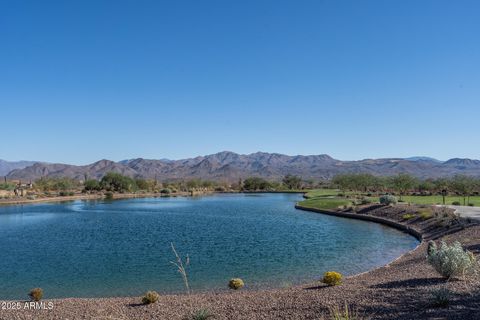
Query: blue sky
(85, 80)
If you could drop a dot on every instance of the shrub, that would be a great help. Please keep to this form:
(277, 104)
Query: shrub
(63, 193)
(344, 314)
(202, 314)
(408, 216)
(471, 205)
(235, 283)
(36, 294)
(425, 214)
(166, 191)
(451, 260)
(91, 185)
(441, 297)
(109, 195)
(365, 201)
(150, 297)
(456, 203)
(388, 199)
(332, 278)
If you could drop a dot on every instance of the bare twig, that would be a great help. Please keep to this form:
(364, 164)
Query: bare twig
(181, 267)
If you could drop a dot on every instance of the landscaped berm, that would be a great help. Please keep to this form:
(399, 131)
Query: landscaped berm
(437, 280)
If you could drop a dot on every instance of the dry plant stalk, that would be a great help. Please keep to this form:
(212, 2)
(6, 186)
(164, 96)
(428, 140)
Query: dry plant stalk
(181, 267)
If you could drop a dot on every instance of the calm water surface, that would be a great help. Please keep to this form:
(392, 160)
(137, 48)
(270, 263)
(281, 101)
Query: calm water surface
(122, 247)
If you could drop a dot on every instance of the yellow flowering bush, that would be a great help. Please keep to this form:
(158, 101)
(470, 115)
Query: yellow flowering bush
(235, 283)
(332, 278)
(36, 294)
(150, 297)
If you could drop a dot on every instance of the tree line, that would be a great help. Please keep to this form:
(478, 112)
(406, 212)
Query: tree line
(403, 184)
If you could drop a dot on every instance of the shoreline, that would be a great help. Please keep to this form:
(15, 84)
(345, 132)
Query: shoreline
(116, 196)
(368, 291)
(119, 196)
(386, 222)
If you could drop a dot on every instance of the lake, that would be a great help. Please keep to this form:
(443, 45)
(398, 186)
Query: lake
(122, 247)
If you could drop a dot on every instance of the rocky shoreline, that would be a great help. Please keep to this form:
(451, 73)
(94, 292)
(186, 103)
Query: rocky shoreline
(399, 290)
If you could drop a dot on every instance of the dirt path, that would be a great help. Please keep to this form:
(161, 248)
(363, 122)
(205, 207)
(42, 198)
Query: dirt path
(467, 212)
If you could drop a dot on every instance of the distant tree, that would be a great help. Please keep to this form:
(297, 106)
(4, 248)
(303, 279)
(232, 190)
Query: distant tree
(143, 184)
(113, 181)
(342, 181)
(403, 183)
(464, 186)
(292, 182)
(55, 184)
(92, 185)
(426, 186)
(380, 183)
(442, 186)
(358, 182)
(363, 182)
(207, 184)
(255, 183)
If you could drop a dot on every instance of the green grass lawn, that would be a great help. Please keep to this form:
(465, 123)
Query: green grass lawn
(325, 203)
(438, 200)
(324, 193)
(329, 199)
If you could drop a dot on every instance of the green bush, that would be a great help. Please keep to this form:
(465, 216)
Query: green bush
(109, 195)
(36, 294)
(166, 191)
(388, 200)
(456, 203)
(236, 283)
(425, 214)
(471, 205)
(113, 181)
(365, 201)
(441, 297)
(332, 278)
(451, 260)
(92, 185)
(150, 297)
(408, 216)
(202, 314)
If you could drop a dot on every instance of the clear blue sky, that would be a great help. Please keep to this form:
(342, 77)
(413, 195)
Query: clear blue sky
(85, 80)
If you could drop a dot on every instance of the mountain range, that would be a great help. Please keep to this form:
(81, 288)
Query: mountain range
(230, 166)
(7, 166)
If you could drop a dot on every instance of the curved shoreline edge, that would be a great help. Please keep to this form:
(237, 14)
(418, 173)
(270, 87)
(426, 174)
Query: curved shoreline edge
(390, 223)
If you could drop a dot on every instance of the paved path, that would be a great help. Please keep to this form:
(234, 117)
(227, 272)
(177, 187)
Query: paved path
(467, 212)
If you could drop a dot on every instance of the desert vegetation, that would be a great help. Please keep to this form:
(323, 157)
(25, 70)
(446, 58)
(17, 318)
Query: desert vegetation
(332, 278)
(36, 294)
(351, 190)
(343, 190)
(150, 297)
(452, 261)
(236, 283)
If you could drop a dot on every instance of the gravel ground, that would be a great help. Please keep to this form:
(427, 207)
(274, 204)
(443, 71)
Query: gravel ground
(400, 290)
